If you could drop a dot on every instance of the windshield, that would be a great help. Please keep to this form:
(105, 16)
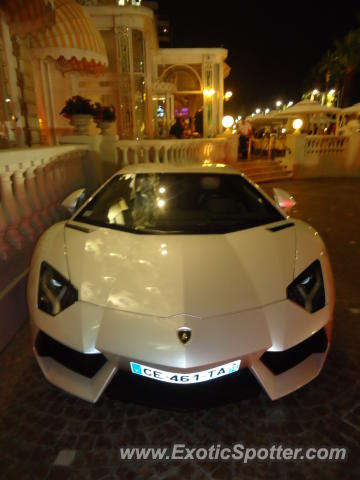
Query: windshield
(178, 203)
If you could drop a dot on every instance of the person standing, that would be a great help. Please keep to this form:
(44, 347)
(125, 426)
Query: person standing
(177, 129)
(244, 130)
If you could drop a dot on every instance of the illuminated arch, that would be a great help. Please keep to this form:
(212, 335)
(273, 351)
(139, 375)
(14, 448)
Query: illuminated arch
(167, 74)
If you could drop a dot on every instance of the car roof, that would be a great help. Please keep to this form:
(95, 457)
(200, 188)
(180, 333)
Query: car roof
(206, 167)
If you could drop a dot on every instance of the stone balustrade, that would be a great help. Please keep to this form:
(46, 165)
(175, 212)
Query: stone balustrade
(182, 151)
(33, 183)
(319, 144)
(317, 156)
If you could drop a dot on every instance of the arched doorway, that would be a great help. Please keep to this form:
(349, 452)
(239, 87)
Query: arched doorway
(188, 96)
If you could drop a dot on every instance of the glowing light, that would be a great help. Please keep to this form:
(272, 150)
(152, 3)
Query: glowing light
(227, 121)
(257, 111)
(267, 110)
(278, 103)
(297, 124)
(161, 203)
(315, 91)
(208, 93)
(283, 130)
(332, 91)
(7, 100)
(162, 190)
(164, 252)
(228, 95)
(290, 104)
(253, 114)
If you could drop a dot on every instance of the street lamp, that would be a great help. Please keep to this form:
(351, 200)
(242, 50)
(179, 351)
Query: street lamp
(278, 103)
(267, 110)
(227, 123)
(257, 111)
(228, 95)
(290, 104)
(297, 124)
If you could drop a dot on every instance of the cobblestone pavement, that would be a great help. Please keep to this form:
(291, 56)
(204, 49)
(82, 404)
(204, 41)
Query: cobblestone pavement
(37, 421)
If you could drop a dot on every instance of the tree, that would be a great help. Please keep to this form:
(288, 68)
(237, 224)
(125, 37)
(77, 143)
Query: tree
(340, 64)
(348, 52)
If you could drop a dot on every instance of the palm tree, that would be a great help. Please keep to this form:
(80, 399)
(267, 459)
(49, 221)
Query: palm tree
(348, 52)
(340, 64)
(332, 68)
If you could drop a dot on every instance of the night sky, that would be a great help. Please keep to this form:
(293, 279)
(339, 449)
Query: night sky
(273, 45)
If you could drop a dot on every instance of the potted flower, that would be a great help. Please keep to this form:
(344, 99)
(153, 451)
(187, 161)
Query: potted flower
(104, 116)
(79, 110)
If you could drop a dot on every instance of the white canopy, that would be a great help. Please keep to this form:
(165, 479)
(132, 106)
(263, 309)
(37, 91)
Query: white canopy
(308, 107)
(261, 119)
(353, 109)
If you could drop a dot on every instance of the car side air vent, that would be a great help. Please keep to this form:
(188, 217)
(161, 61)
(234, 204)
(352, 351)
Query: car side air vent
(77, 227)
(281, 227)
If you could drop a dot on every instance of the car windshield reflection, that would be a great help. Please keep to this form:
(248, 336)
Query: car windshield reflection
(178, 203)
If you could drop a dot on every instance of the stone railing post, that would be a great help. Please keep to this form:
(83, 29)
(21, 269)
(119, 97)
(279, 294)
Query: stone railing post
(4, 247)
(295, 158)
(157, 154)
(23, 201)
(32, 189)
(11, 210)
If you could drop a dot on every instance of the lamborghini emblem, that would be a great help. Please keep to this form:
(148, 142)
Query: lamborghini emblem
(184, 334)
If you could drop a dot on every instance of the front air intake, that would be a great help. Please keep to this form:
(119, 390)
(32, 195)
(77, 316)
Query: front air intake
(86, 364)
(280, 362)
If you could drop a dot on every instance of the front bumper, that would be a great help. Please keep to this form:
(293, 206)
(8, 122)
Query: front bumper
(115, 338)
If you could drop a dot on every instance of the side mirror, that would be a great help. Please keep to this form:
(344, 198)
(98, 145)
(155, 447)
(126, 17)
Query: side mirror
(74, 200)
(283, 198)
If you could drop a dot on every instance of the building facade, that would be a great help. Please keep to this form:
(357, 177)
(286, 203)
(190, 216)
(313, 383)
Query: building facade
(107, 51)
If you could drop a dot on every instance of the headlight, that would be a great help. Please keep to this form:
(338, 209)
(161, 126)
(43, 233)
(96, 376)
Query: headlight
(307, 290)
(55, 292)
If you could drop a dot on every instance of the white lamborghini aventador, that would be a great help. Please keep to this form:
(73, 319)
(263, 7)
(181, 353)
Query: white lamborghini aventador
(180, 275)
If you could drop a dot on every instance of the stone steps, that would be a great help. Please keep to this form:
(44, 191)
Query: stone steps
(260, 171)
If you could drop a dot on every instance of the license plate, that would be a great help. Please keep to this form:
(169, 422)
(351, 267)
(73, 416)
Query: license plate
(181, 378)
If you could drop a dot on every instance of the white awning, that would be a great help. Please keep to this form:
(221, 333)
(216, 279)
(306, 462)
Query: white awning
(28, 16)
(74, 41)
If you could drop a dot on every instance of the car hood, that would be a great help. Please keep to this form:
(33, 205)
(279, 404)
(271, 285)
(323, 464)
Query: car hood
(166, 275)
